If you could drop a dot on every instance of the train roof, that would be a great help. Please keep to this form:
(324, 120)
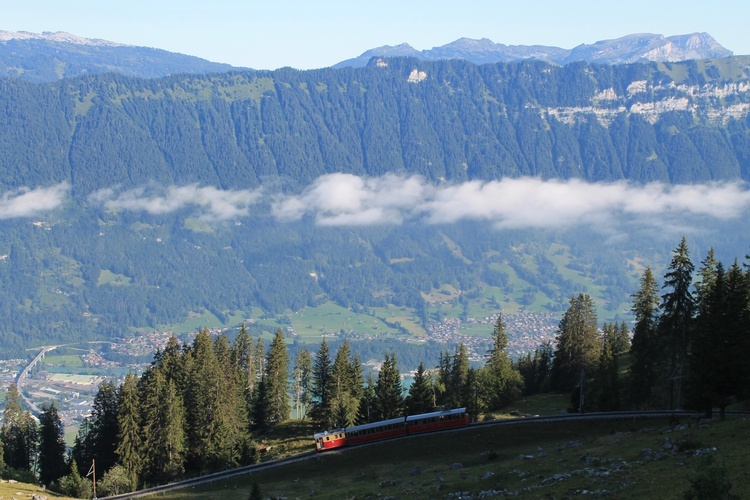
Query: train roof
(319, 435)
(376, 424)
(433, 414)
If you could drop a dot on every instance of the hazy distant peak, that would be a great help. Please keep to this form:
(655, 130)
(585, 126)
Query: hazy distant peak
(56, 36)
(627, 49)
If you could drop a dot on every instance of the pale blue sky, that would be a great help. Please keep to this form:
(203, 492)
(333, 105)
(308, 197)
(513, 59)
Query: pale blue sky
(309, 34)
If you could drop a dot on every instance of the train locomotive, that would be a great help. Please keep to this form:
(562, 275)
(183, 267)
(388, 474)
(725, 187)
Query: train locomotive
(385, 429)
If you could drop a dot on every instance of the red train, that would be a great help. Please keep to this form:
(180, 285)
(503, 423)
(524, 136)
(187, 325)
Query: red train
(401, 426)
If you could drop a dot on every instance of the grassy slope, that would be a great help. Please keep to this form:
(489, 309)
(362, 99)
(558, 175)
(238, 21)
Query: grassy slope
(23, 490)
(533, 460)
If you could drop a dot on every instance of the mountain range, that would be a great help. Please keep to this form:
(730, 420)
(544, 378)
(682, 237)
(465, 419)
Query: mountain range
(628, 49)
(50, 56)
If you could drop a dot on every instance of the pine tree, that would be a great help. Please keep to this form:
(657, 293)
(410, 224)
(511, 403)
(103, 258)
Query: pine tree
(421, 398)
(163, 414)
(302, 383)
(578, 344)
(367, 411)
(622, 340)
(20, 433)
(129, 442)
(676, 322)
(504, 383)
(646, 349)
(606, 383)
(459, 373)
(345, 391)
(322, 412)
(203, 406)
(51, 446)
(389, 391)
(277, 380)
(104, 429)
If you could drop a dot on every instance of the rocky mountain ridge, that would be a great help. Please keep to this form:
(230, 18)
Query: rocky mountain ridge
(624, 50)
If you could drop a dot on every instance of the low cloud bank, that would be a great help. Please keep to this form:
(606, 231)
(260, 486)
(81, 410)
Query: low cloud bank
(211, 203)
(348, 200)
(521, 203)
(25, 202)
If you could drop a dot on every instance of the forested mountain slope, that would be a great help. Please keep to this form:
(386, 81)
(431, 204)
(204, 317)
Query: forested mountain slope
(683, 122)
(110, 251)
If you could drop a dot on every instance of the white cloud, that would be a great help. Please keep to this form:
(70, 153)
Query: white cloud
(25, 202)
(345, 199)
(348, 200)
(519, 203)
(211, 202)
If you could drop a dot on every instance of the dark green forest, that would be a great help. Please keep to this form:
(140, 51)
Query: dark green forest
(286, 128)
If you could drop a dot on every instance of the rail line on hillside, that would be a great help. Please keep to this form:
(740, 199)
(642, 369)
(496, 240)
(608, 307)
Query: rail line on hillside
(249, 469)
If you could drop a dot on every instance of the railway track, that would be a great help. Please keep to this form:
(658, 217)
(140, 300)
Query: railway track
(249, 469)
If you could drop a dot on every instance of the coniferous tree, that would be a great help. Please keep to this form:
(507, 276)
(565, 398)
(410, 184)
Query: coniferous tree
(163, 430)
(709, 336)
(51, 446)
(646, 349)
(421, 397)
(606, 383)
(676, 321)
(578, 344)
(536, 370)
(18, 432)
(389, 391)
(302, 383)
(504, 383)
(129, 442)
(321, 404)
(345, 391)
(459, 373)
(99, 436)
(203, 418)
(233, 410)
(443, 382)
(622, 340)
(277, 380)
(716, 356)
(367, 411)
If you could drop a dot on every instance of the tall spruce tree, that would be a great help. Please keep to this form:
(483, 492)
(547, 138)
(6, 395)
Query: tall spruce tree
(104, 430)
(302, 383)
(606, 381)
(716, 355)
(646, 349)
(389, 391)
(164, 450)
(345, 391)
(421, 397)
(676, 321)
(503, 381)
(322, 412)
(129, 443)
(578, 344)
(17, 438)
(367, 411)
(203, 407)
(52, 446)
(277, 380)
